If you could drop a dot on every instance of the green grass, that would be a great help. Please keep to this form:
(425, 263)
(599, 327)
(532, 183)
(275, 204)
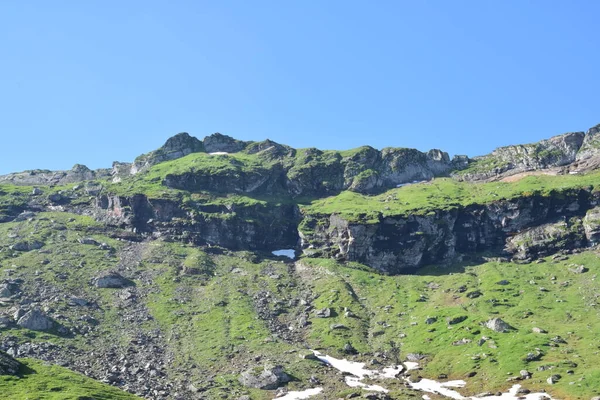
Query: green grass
(392, 313)
(50, 382)
(444, 194)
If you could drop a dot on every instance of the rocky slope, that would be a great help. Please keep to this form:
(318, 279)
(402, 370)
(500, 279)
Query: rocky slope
(158, 276)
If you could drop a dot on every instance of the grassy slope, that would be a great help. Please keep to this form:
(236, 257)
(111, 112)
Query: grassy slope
(390, 308)
(48, 382)
(443, 193)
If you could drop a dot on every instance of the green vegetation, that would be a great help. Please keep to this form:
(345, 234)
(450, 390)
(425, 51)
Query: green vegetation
(444, 194)
(544, 295)
(49, 382)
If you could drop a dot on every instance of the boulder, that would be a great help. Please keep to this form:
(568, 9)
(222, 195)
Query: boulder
(498, 325)
(27, 245)
(269, 377)
(112, 280)
(323, 313)
(8, 365)
(88, 240)
(35, 320)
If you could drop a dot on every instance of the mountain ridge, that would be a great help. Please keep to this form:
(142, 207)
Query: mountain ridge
(167, 270)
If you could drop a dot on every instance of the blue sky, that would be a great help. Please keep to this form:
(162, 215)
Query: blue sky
(96, 81)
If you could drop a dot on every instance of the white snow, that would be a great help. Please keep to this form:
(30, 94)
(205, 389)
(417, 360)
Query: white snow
(424, 385)
(353, 381)
(290, 253)
(219, 153)
(305, 394)
(431, 386)
(410, 365)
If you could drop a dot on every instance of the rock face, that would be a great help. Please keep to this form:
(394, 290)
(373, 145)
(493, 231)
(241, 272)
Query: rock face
(554, 152)
(8, 365)
(222, 143)
(268, 378)
(591, 144)
(547, 239)
(239, 227)
(35, 320)
(403, 243)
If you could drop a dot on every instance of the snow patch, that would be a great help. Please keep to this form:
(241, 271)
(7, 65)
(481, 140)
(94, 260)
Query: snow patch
(445, 389)
(289, 253)
(305, 394)
(218, 153)
(353, 381)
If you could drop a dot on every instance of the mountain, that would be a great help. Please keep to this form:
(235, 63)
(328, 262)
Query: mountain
(211, 269)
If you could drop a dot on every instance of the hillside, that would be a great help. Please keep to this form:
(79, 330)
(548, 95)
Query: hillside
(196, 270)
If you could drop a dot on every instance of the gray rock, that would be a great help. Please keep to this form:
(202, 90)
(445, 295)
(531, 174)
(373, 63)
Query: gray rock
(415, 357)
(269, 377)
(578, 269)
(538, 330)
(337, 326)
(222, 143)
(323, 313)
(456, 320)
(89, 241)
(553, 379)
(35, 320)
(112, 280)
(5, 291)
(27, 245)
(498, 325)
(505, 161)
(546, 239)
(8, 365)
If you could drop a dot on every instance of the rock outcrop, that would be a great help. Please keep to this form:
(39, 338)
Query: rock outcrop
(175, 147)
(554, 152)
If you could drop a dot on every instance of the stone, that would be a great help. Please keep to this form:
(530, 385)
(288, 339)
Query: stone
(456, 320)
(8, 365)
(538, 330)
(323, 313)
(349, 349)
(337, 326)
(35, 320)
(415, 357)
(525, 374)
(579, 269)
(498, 325)
(5, 291)
(553, 379)
(112, 280)
(27, 245)
(430, 320)
(90, 241)
(270, 377)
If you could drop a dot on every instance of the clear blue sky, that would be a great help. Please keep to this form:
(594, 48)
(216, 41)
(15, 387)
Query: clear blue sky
(95, 81)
